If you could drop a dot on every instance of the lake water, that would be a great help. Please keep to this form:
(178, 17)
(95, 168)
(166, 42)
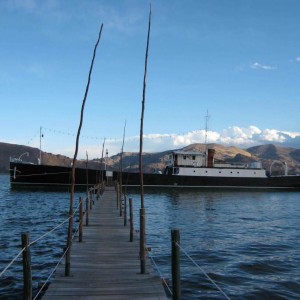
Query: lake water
(248, 242)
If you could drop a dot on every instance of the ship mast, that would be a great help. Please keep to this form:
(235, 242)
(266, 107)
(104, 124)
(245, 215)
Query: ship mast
(41, 135)
(206, 130)
(206, 126)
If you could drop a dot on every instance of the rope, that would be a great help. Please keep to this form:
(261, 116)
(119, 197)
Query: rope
(53, 229)
(51, 274)
(159, 272)
(56, 266)
(47, 233)
(206, 275)
(42, 174)
(38, 239)
(12, 261)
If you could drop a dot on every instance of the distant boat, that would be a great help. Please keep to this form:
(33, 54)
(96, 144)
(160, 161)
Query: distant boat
(26, 174)
(184, 169)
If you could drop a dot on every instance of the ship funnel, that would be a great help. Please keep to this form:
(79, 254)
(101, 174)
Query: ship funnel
(210, 158)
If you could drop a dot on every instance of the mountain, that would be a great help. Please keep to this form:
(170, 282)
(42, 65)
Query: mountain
(268, 155)
(30, 154)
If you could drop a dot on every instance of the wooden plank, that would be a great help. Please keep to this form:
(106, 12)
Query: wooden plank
(106, 264)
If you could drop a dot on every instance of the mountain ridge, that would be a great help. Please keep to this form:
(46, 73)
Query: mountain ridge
(153, 162)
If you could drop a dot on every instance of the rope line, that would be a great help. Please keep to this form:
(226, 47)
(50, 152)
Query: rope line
(150, 136)
(159, 272)
(60, 260)
(56, 227)
(206, 275)
(12, 261)
(51, 274)
(43, 174)
(49, 232)
(39, 238)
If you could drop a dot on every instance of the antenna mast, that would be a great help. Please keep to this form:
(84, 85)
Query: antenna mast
(41, 135)
(206, 126)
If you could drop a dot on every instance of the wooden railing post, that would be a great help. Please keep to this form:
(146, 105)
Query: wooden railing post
(175, 237)
(120, 198)
(142, 241)
(91, 199)
(80, 219)
(87, 212)
(27, 277)
(125, 210)
(117, 189)
(131, 220)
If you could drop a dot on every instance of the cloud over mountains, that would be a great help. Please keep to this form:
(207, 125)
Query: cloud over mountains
(242, 137)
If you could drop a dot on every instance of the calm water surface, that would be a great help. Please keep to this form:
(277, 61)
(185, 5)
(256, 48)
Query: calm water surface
(247, 241)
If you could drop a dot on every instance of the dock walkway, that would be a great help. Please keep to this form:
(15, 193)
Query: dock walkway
(105, 265)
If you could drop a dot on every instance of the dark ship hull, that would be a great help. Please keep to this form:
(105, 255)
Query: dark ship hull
(31, 175)
(23, 174)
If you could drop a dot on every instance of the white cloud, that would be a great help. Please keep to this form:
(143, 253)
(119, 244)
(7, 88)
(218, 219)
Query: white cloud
(272, 135)
(259, 66)
(297, 59)
(242, 137)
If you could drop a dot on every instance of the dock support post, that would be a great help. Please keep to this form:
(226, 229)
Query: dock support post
(87, 212)
(120, 199)
(175, 237)
(91, 194)
(142, 241)
(117, 187)
(27, 277)
(131, 219)
(125, 210)
(80, 219)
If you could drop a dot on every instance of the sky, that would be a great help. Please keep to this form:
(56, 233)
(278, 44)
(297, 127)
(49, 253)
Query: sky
(225, 69)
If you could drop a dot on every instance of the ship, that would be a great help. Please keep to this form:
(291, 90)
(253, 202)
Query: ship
(183, 170)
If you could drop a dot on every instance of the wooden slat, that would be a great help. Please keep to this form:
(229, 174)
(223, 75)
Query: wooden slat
(106, 265)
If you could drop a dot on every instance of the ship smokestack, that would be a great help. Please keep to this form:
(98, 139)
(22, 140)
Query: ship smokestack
(210, 158)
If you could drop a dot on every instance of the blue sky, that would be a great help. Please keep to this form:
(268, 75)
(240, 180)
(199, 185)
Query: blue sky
(237, 60)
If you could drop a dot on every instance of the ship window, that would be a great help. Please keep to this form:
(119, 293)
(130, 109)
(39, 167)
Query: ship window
(220, 172)
(254, 172)
(238, 172)
(193, 157)
(205, 171)
(231, 172)
(184, 156)
(194, 171)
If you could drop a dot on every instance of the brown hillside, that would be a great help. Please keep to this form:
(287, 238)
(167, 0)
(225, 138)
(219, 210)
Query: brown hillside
(153, 162)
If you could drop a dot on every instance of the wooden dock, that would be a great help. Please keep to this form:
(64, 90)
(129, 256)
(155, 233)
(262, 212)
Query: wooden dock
(106, 265)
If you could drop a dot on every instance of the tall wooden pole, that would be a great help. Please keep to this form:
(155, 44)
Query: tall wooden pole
(87, 175)
(142, 210)
(70, 228)
(102, 169)
(121, 170)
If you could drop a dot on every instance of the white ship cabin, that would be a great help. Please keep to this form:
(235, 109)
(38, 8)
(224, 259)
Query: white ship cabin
(202, 164)
(187, 159)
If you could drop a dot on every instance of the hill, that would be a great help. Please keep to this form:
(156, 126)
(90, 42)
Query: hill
(152, 162)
